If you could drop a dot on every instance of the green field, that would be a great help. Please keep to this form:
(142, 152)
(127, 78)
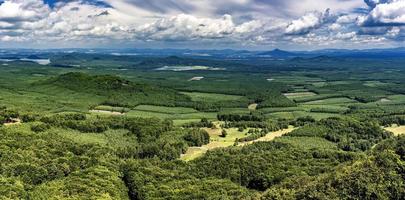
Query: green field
(166, 110)
(174, 116)
(211, 97)
(112, 108)
(298, 114)
(295, 95)
(100, 126)
(330, 101)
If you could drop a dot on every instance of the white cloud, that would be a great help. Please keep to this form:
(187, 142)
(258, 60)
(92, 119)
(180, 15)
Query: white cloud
(237, 22)
(23, 10)
(389, 13)
(307, 22)
(335, 27)
(188, 27)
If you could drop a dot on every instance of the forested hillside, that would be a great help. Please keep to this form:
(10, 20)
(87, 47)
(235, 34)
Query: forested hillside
(115, 131)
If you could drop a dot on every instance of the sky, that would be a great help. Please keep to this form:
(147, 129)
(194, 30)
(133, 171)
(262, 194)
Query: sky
(202, 24)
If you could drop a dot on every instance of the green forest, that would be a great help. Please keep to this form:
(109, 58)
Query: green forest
(270, 131)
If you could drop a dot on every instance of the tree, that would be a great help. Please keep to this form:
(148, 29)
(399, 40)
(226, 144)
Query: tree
(224, 133)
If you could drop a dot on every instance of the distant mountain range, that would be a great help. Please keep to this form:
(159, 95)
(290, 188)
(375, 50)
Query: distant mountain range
(278, 53)
(219, 54)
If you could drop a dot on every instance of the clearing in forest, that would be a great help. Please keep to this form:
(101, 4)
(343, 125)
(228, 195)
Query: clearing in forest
(216, 142)
(294, 95)
(197, 78)
(221, 142)
(13, 121)
(212, 97)
(164, 109)
(106, 112)
(270, 136)
(397, 130)
(253, 106)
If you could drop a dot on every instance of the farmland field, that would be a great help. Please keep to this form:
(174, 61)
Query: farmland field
(211, 97)
(195, 100)
(299, 94)
(89, 117)
(166, 110)
(329, 101)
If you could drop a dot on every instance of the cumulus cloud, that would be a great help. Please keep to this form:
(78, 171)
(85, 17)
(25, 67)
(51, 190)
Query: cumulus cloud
(385, 13)
(237, 22)
(374, 3)
(188, 27)
(23, 10)
(76, 20)
(308, 22)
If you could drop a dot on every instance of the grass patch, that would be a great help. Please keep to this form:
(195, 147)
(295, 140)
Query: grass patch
(112, 138)
(112, 109)
(295, 95)
(325, 108)
(327, 101)
(397, 130)
(173, 116)
(307, 143)
(212, 97)
(165, 110)
(216, 142)
(240, 111)
(282, 109)
(374, 83)
(297, 114)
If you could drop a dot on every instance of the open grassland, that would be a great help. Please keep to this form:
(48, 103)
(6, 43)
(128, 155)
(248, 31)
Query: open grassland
(297, 79)
(296, 114)
(253, 106)
(180, 122)
(164, 109)
(221, 142)
(105, 112)
(307, 142)
(216, 142)
(393, 99)
(270, 136)
(397, 130)
(186, 116)
(281, 109)
(375, 83)
(294, 95)
(111, 109)
(327, 108)
(235, 110)
(328, 101)
(319, 84)
(112, 138)
(212, 97)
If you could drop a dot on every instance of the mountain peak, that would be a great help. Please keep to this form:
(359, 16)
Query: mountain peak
(277, 53)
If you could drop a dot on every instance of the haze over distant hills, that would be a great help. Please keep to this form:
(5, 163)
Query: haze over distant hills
(209, 53)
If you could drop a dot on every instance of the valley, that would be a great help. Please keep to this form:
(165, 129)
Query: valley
(81, 121)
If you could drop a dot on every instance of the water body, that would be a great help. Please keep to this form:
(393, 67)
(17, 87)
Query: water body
(39, 61)
(188, 68)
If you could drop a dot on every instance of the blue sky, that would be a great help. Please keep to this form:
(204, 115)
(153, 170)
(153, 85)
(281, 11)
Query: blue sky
(203, 24)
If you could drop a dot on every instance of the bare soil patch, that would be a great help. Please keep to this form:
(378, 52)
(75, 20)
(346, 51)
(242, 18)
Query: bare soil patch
(106, 112)
(14, 121)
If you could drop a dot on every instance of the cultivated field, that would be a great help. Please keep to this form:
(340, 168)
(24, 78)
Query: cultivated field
(211, 97)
